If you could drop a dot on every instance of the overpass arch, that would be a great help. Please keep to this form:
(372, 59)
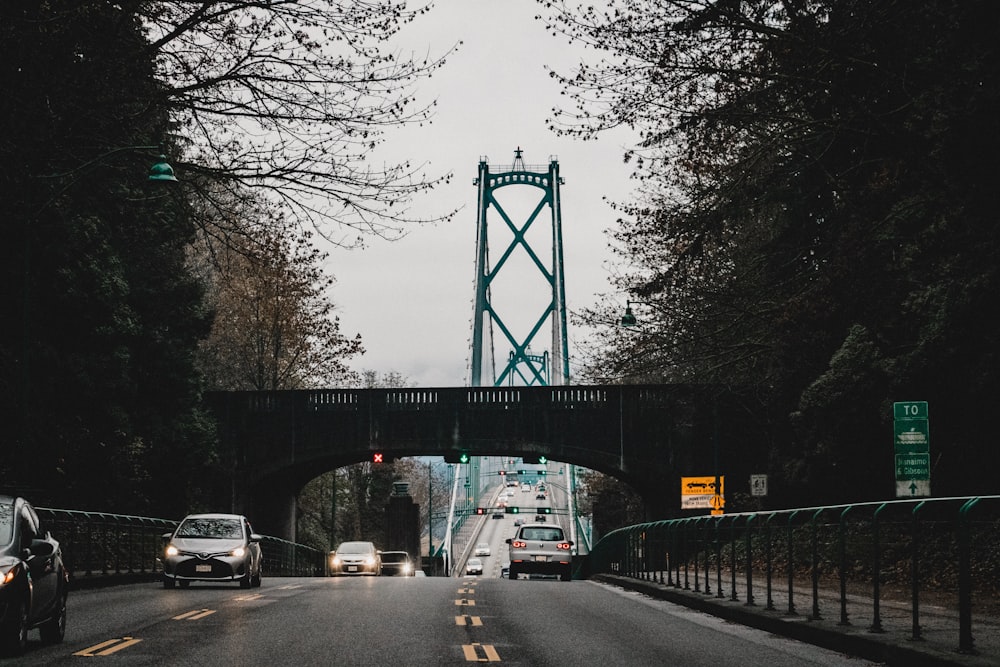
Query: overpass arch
(645, 435)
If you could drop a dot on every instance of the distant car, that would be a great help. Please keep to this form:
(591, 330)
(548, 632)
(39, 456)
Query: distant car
(540, 495)
(525, 488)
(498, 514)
(397, 562)
(355, 558)
(505, 572)
(474, 566)
(482, 549)
(540, 518)
(518, 521)
(33, 581)
(212, 547)
(538, 548)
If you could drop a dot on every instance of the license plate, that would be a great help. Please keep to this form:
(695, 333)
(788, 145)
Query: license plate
(202, 568)
(542, 558)
(352, 568)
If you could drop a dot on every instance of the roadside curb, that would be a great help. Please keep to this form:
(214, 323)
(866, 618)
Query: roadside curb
(886, 648)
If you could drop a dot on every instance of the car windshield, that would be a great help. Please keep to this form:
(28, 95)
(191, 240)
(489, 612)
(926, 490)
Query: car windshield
(217, 528)
(390, 557)
(544, 534)
(354, 548)
(6, 523)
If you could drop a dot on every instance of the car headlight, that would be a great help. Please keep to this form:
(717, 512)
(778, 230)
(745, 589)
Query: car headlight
(7, 575)
(238, 552)
(370, 560)
(406, 568)
(171, 550)
(335, 561)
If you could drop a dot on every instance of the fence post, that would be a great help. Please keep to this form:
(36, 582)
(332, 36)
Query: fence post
(966, 644)
(876, 625)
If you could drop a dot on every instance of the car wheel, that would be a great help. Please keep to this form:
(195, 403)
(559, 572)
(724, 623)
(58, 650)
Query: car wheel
(245, 581)
(14, 635)
(54, 630)
(567, 574)
(512, 573)
(184, 584)
(257, 579)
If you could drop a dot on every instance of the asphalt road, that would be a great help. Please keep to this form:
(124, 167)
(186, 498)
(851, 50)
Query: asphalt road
(404, 621)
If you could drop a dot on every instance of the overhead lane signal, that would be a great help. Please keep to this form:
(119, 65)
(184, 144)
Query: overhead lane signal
(512, 510)
(456, 457)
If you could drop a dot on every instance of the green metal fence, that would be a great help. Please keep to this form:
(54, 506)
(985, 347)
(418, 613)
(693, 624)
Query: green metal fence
(103, 548)
(941, 545)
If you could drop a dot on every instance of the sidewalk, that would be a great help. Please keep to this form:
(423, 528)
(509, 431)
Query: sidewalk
(891, 643)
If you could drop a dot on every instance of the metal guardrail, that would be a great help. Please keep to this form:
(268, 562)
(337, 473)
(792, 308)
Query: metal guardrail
(922, 545)
(100, 547)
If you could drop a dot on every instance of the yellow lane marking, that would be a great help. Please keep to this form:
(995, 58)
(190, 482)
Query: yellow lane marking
(248, 598)
(472, 654)
(114, 644)
(465, 619)
(467, 591)
(194, 615)
(465, 603)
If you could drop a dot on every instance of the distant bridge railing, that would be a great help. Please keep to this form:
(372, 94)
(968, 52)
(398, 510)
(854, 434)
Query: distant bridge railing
(907, 548)
(99, 547)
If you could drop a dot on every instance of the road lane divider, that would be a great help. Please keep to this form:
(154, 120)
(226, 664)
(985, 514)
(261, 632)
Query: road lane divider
(465, 619)
(194, 615)
(472, 652)
(463, 602)
(108, 647)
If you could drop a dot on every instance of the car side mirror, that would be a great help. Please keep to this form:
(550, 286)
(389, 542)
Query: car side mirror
(42, 548)
(166, 536)
(254, 537)
(507, 540)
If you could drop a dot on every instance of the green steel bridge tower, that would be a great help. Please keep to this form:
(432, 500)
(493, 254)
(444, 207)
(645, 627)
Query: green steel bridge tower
(522, 365)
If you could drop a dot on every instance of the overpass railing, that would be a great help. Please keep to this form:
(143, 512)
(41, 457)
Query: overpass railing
(900, 550)
(99, 547)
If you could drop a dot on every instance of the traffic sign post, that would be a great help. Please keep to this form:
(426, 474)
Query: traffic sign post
(700, 493)
(912, 448)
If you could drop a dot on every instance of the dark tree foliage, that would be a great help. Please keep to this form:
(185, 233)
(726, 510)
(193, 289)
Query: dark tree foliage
(816, 222)
(98, 392)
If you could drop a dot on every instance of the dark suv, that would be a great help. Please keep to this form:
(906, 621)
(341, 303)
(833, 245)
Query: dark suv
(33, 581)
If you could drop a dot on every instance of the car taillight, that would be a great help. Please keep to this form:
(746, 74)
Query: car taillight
(563, 546)
(518, 544)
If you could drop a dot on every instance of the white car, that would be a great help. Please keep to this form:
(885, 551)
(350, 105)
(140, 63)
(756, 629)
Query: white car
(538, 548)
(482, 549)
(474, 566)
(212, 547)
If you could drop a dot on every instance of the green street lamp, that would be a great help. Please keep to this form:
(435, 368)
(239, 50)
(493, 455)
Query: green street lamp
(162, 171)
(629, 319)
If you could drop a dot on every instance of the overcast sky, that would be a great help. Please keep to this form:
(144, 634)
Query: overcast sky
(412, 299)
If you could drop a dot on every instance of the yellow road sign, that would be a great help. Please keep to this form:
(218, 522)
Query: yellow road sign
(701, 486)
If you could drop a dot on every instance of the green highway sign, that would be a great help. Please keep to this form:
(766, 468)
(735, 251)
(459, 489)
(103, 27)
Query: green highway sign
(909, 410)
(912, 448)
(913, 466)
(911, 435)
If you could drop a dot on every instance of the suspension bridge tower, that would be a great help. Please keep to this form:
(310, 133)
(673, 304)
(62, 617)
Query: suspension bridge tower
(529, 191)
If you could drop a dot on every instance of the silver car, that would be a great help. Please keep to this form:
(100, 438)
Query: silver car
(212, 547)
(539, 548)
(356, 558)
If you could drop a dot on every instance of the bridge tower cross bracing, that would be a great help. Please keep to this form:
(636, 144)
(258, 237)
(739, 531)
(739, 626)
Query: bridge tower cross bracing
(552, 367)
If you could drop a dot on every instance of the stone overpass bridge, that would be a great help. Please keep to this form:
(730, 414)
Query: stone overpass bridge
(646, 435)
